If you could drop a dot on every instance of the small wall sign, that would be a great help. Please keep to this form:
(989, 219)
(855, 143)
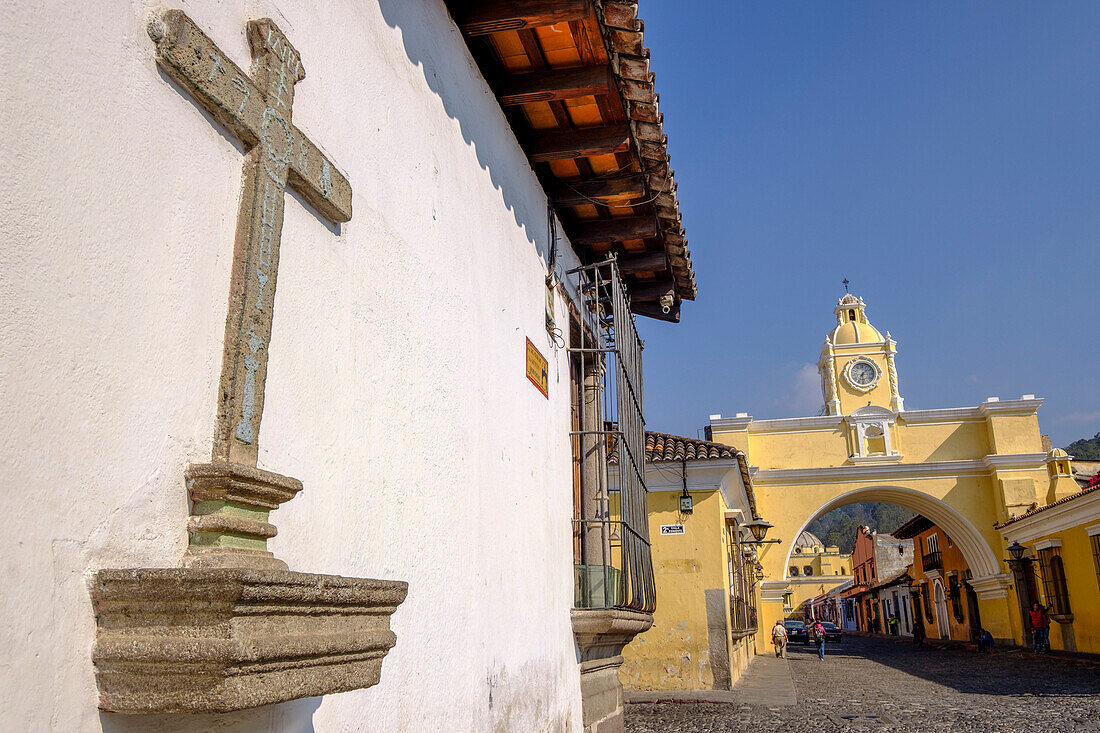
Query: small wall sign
(538, 369)
(672, 529)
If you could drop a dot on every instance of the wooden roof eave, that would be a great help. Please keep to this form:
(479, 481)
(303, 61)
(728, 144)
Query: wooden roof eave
(636, 213)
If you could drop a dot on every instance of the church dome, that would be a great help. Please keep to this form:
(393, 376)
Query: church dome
(808, 540)
(852, 326)
(1058, 453)
(856, 333)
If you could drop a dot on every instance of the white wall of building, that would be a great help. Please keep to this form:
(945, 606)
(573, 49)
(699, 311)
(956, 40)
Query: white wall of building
(396, 390)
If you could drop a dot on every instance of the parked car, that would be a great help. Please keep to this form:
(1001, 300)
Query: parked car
(832, 632)
(797, 631)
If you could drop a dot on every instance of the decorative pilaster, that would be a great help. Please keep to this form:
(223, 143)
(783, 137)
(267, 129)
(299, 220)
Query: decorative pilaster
(897, 404)
(832, 399)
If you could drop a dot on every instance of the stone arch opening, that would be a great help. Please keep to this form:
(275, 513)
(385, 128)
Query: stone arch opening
(976, 551)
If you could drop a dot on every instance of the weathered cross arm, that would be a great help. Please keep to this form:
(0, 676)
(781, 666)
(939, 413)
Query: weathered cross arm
(237, 103)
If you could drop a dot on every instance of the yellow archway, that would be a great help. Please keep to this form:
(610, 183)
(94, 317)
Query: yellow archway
(979, 556)
(990, 582)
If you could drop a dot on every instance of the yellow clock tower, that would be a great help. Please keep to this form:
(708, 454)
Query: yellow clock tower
(857, 363)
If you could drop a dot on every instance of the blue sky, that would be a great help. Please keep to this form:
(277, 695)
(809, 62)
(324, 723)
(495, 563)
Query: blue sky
(944, 157)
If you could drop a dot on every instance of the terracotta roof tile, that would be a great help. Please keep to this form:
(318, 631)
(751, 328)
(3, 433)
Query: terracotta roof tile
(664, 447)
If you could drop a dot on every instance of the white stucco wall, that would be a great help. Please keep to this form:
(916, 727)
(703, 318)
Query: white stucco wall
(396, 391)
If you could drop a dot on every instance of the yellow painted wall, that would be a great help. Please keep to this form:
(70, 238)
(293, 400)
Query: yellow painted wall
(957, 441)
(675, 653)
(1083, 588)
(793, 450)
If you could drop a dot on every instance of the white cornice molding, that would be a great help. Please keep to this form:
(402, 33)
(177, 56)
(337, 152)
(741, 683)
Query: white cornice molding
(1048, 543)
(1015, 461)
(884, 468)
(872, 460)
(730, 423)
(991, 586)
(847, 473)
(1021, 406)
(1074, 513)
(796, 424)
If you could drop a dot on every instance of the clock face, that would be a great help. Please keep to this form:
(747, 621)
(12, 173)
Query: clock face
(862, 373)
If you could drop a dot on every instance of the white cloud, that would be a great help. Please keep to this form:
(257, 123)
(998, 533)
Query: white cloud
(805, 395)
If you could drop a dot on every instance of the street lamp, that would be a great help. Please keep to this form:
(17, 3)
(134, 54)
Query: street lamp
(1016, 550)
(759, 571)
(759, 528)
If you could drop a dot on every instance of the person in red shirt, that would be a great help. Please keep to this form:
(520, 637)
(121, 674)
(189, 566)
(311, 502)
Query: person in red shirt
(1040, 628)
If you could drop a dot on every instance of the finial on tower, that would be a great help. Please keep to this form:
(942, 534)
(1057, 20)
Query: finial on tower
(845, 281)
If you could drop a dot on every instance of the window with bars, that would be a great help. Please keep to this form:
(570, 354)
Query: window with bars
(954, 593)
(742, 573)
(1054, 581)
(926, 601)
(613, 562)
(1095, 540)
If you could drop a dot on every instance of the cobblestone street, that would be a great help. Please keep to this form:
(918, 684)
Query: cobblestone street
(877, 684)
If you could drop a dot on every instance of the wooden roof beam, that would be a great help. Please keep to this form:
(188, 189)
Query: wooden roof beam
(647, 292)
(632, 264)
(579, 143)
(545, 86)
(493, 16)
(606, 231)
(576, 193)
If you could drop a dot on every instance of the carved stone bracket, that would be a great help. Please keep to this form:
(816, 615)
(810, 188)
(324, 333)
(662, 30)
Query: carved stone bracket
(601, 635)
(209, 640)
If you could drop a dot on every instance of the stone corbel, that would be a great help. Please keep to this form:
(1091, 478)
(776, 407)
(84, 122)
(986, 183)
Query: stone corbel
(601, 635)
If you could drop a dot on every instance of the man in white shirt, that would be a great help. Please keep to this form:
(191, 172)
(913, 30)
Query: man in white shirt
(779, 638)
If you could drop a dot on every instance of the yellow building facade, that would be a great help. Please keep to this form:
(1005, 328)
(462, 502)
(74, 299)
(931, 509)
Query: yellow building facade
(966, 469)
(705, 626)
(1059, 565)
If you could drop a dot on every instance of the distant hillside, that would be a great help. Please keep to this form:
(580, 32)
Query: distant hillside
(838, 527)
(1085, 449)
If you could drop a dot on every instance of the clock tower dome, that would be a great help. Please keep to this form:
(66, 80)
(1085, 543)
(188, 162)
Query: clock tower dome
(857, 363)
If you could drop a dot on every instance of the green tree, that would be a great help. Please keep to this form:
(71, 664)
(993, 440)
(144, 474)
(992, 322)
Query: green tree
(1085, 449)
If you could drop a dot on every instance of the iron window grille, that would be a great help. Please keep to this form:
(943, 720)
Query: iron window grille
(614, 564)
(1054, 581)
(954, 593)
(742, 574)
(1095, 541)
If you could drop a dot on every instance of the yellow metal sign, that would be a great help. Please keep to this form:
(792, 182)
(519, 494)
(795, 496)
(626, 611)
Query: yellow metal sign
(538, 369)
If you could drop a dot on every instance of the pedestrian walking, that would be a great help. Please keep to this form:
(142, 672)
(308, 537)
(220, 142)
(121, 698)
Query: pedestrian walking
(1040, 628)
(779, 638)
(918, 632)
(818, 633)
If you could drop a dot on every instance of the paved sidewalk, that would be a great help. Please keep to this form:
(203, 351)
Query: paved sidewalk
(767, 681)
(876, 684)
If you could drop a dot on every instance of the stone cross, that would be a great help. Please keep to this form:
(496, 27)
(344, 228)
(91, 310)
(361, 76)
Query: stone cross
(256, 108)
(231, 499)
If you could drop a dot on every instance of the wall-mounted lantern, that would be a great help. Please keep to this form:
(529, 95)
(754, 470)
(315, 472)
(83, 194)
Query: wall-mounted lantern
(1017, 551)
(686, 503)
(759, 529)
